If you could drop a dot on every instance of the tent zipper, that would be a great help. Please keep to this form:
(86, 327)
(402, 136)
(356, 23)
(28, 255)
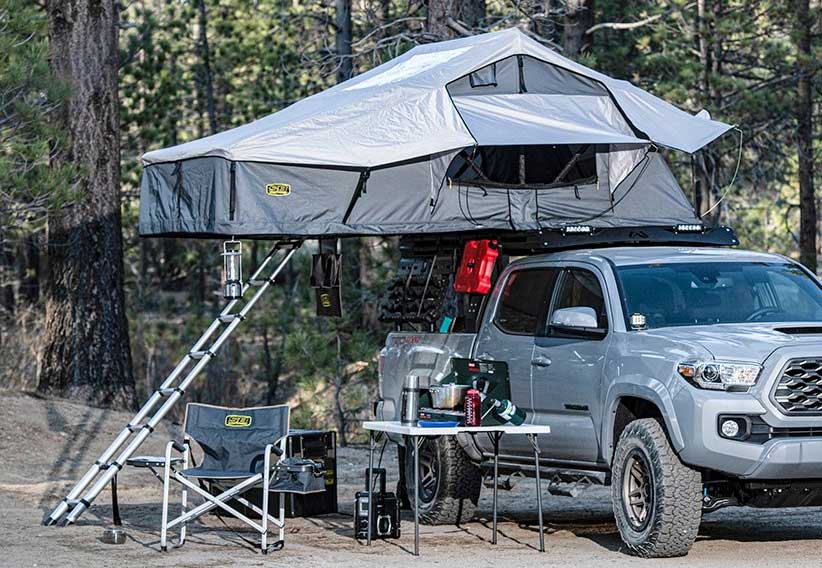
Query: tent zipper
(178, 187)
(232, 194)
(358, 192)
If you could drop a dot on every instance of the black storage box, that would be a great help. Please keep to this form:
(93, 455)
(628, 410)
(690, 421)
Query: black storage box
(317, 445)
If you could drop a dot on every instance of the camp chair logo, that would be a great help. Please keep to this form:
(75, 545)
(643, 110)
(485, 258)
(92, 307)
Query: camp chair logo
(237, 421)
(325, 300)
(278, 189)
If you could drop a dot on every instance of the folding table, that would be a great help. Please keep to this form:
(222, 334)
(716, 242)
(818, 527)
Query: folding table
(417, 433)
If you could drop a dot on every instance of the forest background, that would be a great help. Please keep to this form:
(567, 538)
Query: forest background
(161, 72)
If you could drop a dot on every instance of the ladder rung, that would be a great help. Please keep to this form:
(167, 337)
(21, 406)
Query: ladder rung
(200, 354)
(231, 317)
(136, 427)
(105, 466)
(168, 391)
(257, 281)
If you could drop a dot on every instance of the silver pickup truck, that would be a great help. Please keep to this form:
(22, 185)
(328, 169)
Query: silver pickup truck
(688, 379)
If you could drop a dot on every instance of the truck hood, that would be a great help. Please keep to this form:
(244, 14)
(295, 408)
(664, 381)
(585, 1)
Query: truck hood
(743, 342)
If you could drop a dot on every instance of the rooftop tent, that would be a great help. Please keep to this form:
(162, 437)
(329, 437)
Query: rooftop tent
(490, 132)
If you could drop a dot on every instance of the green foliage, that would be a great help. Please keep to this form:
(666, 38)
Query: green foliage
(29, 96)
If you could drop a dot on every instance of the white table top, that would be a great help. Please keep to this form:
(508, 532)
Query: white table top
(408, 430)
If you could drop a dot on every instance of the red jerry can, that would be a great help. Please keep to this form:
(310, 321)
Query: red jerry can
(474, 274)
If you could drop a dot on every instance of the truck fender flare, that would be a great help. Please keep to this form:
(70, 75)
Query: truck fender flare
(650, 389)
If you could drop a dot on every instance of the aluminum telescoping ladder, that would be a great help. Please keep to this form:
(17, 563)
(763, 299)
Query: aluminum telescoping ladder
(170, 391)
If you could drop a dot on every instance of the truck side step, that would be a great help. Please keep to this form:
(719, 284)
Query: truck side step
(560, 489)
(555, 474)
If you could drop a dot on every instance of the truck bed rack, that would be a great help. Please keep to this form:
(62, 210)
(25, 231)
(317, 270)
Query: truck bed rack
(523, 243)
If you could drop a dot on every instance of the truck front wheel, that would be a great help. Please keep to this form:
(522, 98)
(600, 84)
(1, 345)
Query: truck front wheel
(450, 482)
(657, 499)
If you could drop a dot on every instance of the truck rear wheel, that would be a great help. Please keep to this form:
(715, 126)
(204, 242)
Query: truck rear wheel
(656, 498)
(450, 482)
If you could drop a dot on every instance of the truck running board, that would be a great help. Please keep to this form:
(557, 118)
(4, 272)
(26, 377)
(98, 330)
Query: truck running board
(556, 475)
(170, 391)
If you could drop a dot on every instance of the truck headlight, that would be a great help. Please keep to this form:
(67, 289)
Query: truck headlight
(720, 375)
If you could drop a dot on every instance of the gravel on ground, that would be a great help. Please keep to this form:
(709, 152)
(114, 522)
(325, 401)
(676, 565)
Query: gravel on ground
(46, 444)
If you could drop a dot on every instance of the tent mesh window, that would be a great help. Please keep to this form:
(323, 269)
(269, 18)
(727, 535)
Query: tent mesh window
(525, 166)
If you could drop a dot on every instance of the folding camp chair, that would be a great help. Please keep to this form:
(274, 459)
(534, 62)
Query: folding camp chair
(237, 444)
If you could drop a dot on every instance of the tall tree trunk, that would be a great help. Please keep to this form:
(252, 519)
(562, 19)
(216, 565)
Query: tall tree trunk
(804, 134)
(343, 40)
(208, 83)
(470, 13)
(579, 16)
(702, 189)
(339, 409)
(30, 268)
(542, 19)
(7, 299)
(86, 353)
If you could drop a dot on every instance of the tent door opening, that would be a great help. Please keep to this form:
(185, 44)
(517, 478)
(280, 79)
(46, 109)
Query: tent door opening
(528, 166)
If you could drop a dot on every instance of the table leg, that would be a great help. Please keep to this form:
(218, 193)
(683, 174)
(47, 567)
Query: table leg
(535, 444)
(495, 436)
(115, 505)
(416, 441)
(371, 445)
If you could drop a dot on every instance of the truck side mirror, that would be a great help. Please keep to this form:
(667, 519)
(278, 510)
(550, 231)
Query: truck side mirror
(578, 321)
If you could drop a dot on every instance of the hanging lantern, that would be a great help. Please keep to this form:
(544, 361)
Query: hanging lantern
(233, 270)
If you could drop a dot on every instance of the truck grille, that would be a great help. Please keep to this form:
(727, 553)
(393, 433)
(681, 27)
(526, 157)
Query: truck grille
(799, 390)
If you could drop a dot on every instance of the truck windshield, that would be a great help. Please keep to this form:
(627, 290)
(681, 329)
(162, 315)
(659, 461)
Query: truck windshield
(700, 293)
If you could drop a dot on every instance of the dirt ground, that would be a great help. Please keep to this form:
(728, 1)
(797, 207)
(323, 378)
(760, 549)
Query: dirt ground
(46, 444)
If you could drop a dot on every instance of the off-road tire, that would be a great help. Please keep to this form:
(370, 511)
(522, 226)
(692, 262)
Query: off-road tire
(458, 483)
(675, 508)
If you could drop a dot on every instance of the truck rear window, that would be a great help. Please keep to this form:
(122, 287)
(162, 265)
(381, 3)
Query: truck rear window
(524, 298)
(700, 293)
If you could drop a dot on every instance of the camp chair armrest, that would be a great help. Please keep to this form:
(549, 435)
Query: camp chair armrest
(180, 447)
(276, 449)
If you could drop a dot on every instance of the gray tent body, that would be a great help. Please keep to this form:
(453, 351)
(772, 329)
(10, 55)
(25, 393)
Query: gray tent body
(406, 148)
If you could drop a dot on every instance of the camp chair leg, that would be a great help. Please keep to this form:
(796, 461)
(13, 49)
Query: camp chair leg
(281, 500)
(218, 501)
(211, 500)
(166, 483)
(266, 483)
(184, 500)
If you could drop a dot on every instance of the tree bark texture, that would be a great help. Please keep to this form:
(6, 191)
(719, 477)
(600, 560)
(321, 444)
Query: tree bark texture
(579, 16)
(804, 135)
(86, 354)
(471, 13)
(343, 39)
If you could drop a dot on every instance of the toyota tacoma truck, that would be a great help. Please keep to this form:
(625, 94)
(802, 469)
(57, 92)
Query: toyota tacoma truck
(686, 378)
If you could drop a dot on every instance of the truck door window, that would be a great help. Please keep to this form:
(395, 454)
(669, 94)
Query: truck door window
(524, 299)
(580, 288)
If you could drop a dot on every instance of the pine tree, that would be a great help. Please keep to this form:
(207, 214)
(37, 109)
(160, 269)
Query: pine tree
(87, 354)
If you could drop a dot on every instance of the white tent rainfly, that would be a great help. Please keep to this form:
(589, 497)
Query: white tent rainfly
(493, 132)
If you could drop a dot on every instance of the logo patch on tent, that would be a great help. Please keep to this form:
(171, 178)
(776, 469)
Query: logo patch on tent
(237, 421)
(278, 189)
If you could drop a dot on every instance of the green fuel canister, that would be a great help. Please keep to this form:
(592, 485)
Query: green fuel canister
(509, 413)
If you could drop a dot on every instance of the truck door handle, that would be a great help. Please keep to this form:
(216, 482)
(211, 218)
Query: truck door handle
(541, 361)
